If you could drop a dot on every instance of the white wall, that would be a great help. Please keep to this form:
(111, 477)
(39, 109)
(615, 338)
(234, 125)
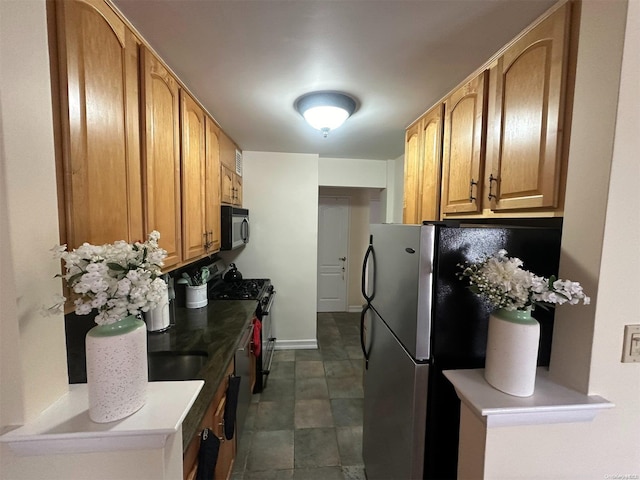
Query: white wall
(281, 193)
(33, 357)
(601, 247)
(345, 172)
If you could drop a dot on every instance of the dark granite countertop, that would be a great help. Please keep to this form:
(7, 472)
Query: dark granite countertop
(216, 329)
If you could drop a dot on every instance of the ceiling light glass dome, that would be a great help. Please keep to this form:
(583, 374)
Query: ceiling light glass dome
(325, 111)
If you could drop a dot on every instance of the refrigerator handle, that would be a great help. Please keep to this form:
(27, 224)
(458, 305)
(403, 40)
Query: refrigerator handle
(367, 297)
(363, 315)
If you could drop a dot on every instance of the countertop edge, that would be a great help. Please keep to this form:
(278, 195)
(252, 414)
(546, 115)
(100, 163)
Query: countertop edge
(65, 427)
(550, 403)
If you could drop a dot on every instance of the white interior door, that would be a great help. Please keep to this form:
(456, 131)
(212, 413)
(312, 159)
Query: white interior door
(333, 246)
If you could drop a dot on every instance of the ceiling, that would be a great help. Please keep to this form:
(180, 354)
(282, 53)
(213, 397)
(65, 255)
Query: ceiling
(247, 61)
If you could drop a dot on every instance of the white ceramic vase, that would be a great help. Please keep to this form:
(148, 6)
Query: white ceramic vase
(117, 374)
(512, 352)
(158, 319)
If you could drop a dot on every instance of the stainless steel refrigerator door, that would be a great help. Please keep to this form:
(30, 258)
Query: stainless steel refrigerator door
(403, 282)
(395, 407)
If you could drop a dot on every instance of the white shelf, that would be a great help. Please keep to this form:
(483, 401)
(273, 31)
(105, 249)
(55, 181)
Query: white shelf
(550, 403)
(65, 427)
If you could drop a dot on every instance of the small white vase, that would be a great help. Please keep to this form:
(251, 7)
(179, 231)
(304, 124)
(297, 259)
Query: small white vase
(512, 352)
(196, 296)
(117, 374)
(159, 319)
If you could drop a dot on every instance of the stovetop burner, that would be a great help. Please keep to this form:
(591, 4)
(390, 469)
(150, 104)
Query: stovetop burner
(249, 289)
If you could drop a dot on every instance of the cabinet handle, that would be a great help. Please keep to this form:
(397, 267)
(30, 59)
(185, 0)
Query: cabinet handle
(491, 180)
(207, 243)
(471, 197)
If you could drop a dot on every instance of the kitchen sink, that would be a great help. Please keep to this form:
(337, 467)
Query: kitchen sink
(167, 366)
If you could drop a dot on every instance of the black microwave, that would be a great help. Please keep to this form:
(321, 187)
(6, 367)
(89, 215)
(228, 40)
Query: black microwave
(234, 227)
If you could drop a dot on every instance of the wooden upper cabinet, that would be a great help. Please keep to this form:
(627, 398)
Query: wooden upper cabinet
(527, 98)
(212, 187)
(227, 151)
(231, 180)
(192, 127)
(431, 163)
(226, 184)
(422, 168)
(237, 189)
(98, 68)
(463, 147)
(230, 186)
(411, 202)
(161, 155)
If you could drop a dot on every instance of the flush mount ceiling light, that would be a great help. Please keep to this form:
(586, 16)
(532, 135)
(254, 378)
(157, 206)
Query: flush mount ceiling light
(325, 111)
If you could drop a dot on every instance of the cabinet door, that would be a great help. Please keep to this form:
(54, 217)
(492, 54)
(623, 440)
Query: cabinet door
(463, 146)
(528, 97)
(212, 419)
(227, 451)
(161, 155)
(193, 173)
(411, 202)
(212, 187)
(226, 185)
(237, 190)
(430, 164)
(98, 66)
(227, 152)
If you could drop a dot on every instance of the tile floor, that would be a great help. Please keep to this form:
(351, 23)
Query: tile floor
(307, 424)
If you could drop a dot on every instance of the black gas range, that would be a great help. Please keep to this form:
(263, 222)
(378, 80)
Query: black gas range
(261, 290)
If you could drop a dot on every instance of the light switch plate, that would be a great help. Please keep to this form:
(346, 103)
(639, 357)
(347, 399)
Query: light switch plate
(631, 348)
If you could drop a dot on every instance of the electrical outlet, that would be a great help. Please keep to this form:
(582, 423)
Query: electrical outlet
(631, 348)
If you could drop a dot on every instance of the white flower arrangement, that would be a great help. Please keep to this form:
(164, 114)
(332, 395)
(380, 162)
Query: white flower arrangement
(505, 284)
(118, 279)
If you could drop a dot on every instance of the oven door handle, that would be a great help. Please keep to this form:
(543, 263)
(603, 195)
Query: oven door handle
(265, 311)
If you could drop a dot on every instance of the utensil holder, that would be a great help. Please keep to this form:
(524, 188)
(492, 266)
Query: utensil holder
(196, 296)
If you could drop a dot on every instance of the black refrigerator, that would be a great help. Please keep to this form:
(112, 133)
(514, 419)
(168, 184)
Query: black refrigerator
(420, 319)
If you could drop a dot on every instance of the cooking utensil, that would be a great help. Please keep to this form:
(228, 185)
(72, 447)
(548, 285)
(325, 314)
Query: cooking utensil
(204, 275)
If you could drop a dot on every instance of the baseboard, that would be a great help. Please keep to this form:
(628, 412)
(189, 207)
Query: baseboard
(297, 344)
(355, 308)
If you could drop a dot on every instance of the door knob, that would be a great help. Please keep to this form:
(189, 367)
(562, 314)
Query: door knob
(342, 258)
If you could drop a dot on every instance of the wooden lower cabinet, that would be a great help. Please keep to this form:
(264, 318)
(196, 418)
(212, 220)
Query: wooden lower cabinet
(214, 420)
